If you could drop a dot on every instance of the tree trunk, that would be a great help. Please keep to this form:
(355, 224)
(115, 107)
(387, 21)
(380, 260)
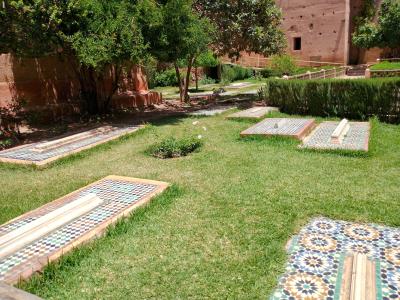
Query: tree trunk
(196, 75)
(178, 76)
(89, 92)
(187, 80)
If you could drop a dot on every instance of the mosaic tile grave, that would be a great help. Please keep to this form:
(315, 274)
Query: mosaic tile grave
(355, 139)
(119, 197)
(254, 112)
(45, 152)
(211, 111)
(318, 255)
(286, 127)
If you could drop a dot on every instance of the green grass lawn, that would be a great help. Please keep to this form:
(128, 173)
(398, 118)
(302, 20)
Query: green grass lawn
(170, 92)
(220, 231)
(386, 65)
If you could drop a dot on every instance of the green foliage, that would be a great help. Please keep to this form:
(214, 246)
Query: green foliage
(356, 99)
(383, 33)
(207, 80)
(231, 73)
(178, 35)
(97, 36)
(165, 78)
(172, 147)
(283, 65)
(206, 59)
(386, 65)
(247, 25)
(108, 34)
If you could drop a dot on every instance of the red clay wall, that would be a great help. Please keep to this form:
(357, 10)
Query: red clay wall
(50, 85)
(321, 25)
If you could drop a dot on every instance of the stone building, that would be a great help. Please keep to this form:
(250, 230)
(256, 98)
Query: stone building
(321, 30)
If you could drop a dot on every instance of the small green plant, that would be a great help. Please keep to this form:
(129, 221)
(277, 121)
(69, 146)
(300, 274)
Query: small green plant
(172, 147)
(283, 65)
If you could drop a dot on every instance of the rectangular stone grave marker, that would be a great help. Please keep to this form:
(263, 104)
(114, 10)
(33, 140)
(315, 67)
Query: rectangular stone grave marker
(342, 135)
(31, 241)
(285, 127)
(42, 153)
(253, 113)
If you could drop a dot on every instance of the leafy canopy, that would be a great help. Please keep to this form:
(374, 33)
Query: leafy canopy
(383, 33)
(247, 25)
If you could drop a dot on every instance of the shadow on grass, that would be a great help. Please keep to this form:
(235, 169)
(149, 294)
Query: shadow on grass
(338, 152)
(276, 141)
(54, 271)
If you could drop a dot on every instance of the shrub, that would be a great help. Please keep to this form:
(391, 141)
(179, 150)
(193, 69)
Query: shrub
(355, 99)
(165, 78)
(171, 147)
(231, 73)
(207, 80)
(283, 65)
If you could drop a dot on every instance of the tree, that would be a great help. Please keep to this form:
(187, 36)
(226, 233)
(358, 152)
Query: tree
(385, 32)
(247, 25)
(99, 36)
(178, 35)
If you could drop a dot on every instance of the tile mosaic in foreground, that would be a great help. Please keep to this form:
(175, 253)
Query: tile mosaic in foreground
(285, 127)
(45, 152)
(355, 137)
(319, 262)
(254, 112)
(85, 214)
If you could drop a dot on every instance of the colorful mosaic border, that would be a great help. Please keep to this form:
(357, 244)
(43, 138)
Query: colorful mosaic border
(25, 154)
(317, 254)
(357, 138)
(121, 195)
(293, 128)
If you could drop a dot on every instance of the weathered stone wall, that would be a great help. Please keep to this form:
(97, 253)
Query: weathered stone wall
(50, 86)
(324, 27)
(321, 26)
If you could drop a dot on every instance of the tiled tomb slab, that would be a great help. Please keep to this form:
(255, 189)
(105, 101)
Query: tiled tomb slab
(119, 197)
(253, 113)
(286, 127)
(42, 153)
(356, 138)
(211, 111)
(319, 261)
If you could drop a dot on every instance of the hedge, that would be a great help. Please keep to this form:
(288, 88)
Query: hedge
(354, 99)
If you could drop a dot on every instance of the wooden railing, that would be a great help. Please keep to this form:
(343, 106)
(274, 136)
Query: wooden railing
(260, 62)
(322, 74)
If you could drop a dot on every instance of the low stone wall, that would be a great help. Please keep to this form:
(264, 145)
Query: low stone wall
(381, 73)
(50, 87)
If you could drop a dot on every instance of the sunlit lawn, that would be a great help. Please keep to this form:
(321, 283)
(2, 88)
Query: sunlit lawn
(220, 231)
